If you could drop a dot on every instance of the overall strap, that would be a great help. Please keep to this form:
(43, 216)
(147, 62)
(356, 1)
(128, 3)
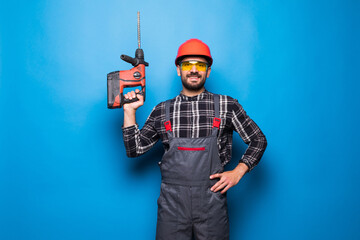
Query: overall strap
(216, 120)
(167, 122)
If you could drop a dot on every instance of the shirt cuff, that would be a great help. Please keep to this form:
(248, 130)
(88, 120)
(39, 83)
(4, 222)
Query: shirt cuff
(247, 163)
(130, 129)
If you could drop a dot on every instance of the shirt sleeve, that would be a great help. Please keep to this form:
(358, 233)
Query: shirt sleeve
(136, 141)
(250, 134)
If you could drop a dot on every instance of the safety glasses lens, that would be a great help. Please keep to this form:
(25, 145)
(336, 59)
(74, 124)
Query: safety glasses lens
(188, 65)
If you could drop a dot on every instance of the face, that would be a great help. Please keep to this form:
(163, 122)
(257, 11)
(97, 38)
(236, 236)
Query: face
(193, 79)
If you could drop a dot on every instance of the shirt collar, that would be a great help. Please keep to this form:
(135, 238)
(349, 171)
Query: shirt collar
(194, 98)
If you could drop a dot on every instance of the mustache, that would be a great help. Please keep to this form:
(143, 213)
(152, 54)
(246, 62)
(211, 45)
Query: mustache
(193, 75)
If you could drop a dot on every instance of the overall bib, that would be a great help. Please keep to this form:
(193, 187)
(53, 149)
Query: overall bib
(186, 206)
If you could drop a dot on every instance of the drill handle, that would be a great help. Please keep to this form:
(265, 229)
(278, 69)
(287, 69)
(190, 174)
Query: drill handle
(132, 61)
(124, 100)
(139, 58)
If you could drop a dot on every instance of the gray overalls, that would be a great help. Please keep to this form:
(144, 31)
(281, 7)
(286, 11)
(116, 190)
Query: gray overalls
(186, 206)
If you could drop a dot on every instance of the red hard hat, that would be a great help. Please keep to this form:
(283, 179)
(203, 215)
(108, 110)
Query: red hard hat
(193, 47)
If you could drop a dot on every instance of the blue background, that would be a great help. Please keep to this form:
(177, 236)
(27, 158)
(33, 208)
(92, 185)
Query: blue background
(293, 65)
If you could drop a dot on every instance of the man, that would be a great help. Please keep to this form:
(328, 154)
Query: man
(196, 130)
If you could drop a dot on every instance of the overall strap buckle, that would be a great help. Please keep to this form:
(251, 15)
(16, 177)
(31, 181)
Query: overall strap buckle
(168, 126)
(216, 122)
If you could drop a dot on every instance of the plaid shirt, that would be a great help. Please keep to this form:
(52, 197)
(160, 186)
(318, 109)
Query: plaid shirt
(192, 117)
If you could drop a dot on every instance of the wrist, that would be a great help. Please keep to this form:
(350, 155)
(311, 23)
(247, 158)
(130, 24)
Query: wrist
(129, 117)
(241, 169)
(129, 111)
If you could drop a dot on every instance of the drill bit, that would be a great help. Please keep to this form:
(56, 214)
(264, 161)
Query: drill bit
(138, 28)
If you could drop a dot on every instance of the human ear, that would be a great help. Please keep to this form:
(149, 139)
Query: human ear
(208, 72)
(178, 70)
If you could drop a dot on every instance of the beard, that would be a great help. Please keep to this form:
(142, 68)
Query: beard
(193, 86)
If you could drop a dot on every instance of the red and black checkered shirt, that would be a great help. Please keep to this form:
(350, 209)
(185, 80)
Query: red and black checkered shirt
(192, 117)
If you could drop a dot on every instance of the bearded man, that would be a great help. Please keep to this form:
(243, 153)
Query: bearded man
(196, 130)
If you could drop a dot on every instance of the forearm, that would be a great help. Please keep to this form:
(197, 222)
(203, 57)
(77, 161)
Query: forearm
(255, 151)
(136, 141)
(129, 137)
(250, 134)
(130, 108)
(129, 117)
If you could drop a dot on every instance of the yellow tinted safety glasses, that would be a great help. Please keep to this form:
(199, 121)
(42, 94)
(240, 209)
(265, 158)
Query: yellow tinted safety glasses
(188, 65)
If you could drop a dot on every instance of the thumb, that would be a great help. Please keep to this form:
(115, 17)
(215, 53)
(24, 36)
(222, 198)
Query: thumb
(139, 95)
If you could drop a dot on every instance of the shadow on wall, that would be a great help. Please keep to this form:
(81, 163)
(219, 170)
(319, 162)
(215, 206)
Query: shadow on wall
(148, 161)
(244, 198)
(144, 163)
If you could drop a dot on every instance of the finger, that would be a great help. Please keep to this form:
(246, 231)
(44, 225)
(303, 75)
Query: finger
(137, 90)
(133, 95)
(216, 175)
(129, 95)
(225, 189)
(221, 186)
(216, 185)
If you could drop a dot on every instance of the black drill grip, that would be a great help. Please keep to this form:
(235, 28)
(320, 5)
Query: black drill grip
(132, 61)
(124, 100)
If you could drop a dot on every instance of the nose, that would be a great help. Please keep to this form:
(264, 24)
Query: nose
(193, 69)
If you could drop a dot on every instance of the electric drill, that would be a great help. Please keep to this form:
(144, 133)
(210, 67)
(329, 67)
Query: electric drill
(118, 80)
